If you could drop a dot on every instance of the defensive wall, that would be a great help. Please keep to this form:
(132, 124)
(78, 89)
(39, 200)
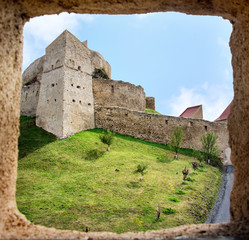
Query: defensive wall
(150, 103)
(118, 93)
(158, 128)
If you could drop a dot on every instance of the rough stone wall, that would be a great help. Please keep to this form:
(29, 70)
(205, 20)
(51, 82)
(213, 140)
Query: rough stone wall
(34, 71)
(65, 105)
(158, 128)
(99, 62)
(50, 104)
(78, 107)
(31, 87)
(118, 93)
(238, 120)
(12, 18)
(150, 103)
(29, 99)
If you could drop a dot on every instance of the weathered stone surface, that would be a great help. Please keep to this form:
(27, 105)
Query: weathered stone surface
(150, 103)
(29, 99)
(158, 128)
(58, 87)
(238, 121)
(12, 18)
(118, 93)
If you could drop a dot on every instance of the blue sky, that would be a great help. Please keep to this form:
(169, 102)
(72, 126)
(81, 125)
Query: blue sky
(181, 60)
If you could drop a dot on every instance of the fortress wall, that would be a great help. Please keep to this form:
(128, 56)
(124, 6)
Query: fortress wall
(77, 55)
(118, 93)
(158, 128)
(150, 103)
(34, 70)
(78, 107)
(49, 110)
(99, 62)
(29, 99)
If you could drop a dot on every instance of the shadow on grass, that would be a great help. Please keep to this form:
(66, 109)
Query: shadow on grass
(184, 151)
(31, 137)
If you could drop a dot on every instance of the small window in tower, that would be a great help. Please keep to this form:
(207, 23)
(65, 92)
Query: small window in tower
(52, 84)
(166, 122)
(79, 68)
(55, 100)
(89, 104)
(206, 128)
(112, 89)
(73, 100)
(71, 84)
(78, 86)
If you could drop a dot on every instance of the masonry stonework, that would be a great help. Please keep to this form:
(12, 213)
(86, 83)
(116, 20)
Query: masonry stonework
(59, 88)
(158, 128)
(13, 16)
(150, 103)
(118, 93)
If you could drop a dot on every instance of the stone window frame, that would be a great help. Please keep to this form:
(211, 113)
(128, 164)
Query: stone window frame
(14, 14)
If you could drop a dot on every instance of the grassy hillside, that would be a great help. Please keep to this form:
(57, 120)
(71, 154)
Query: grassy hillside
(60, 184)
(148, 110)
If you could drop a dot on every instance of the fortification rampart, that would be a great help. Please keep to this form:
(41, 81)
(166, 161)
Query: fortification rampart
(150, 103)
(158, 128)
(118, 93)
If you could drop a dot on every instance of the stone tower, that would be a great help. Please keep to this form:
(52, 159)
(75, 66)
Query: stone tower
(66, 104)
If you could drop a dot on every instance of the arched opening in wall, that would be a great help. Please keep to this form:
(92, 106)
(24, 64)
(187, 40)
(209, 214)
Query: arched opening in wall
(163, 77)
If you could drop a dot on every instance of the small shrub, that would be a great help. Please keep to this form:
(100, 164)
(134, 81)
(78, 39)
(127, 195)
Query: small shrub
(141, 167)
(168, 211)
(185, 173)
(176, 139)
(93, 154)
(210, 149)
(174, 199)
(180, 192)
(100, 73)
(107, 138)
(194, 165)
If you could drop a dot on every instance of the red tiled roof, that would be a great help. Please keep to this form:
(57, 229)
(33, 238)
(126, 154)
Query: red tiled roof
(189, 112)
(224, 115)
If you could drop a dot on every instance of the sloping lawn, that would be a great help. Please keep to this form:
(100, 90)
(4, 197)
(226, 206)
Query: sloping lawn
(74, 183)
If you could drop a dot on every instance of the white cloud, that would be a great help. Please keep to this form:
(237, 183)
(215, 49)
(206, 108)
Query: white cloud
(46, 28)
(41, 31)
(214, 100)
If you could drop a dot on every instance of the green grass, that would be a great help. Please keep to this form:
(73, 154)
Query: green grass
(74, 183)
(148, 110)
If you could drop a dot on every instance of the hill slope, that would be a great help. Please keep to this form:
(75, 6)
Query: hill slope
(61, 185)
